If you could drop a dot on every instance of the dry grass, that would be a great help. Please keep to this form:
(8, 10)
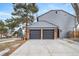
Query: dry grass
(10, 46)
(70, 42)
(75, 39)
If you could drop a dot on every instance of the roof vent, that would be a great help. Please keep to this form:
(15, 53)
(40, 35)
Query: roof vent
(56, 12)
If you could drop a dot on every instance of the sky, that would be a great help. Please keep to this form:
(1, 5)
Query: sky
(7, 8)
(5, 11)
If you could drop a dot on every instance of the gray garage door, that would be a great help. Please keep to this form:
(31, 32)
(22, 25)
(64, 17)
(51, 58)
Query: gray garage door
(35, 34)
(48, 34)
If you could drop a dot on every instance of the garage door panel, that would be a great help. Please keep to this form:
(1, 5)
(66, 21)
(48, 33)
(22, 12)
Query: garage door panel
(35, 34)
(48, 34)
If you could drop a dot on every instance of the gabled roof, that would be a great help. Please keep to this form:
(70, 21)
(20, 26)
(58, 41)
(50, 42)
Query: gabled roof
(42, 24)
(56, 10)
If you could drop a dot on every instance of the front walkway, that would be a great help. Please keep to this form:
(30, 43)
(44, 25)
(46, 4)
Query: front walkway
(47, 48)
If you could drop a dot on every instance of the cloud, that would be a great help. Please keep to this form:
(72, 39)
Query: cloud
(4, 15)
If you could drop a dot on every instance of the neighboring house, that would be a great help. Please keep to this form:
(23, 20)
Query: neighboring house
(51, 25)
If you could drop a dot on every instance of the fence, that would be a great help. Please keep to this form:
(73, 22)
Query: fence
(74, 34)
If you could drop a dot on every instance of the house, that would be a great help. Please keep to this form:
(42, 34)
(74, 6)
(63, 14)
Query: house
(51, 25)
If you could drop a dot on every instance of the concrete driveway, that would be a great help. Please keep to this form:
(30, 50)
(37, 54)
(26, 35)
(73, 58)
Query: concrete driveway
(47, 48)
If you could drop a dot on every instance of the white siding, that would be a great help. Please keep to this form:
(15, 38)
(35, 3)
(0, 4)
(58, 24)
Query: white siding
(65, 21)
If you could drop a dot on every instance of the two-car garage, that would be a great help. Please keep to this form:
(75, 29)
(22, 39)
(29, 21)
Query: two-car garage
(43, 30)
(42, 34)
